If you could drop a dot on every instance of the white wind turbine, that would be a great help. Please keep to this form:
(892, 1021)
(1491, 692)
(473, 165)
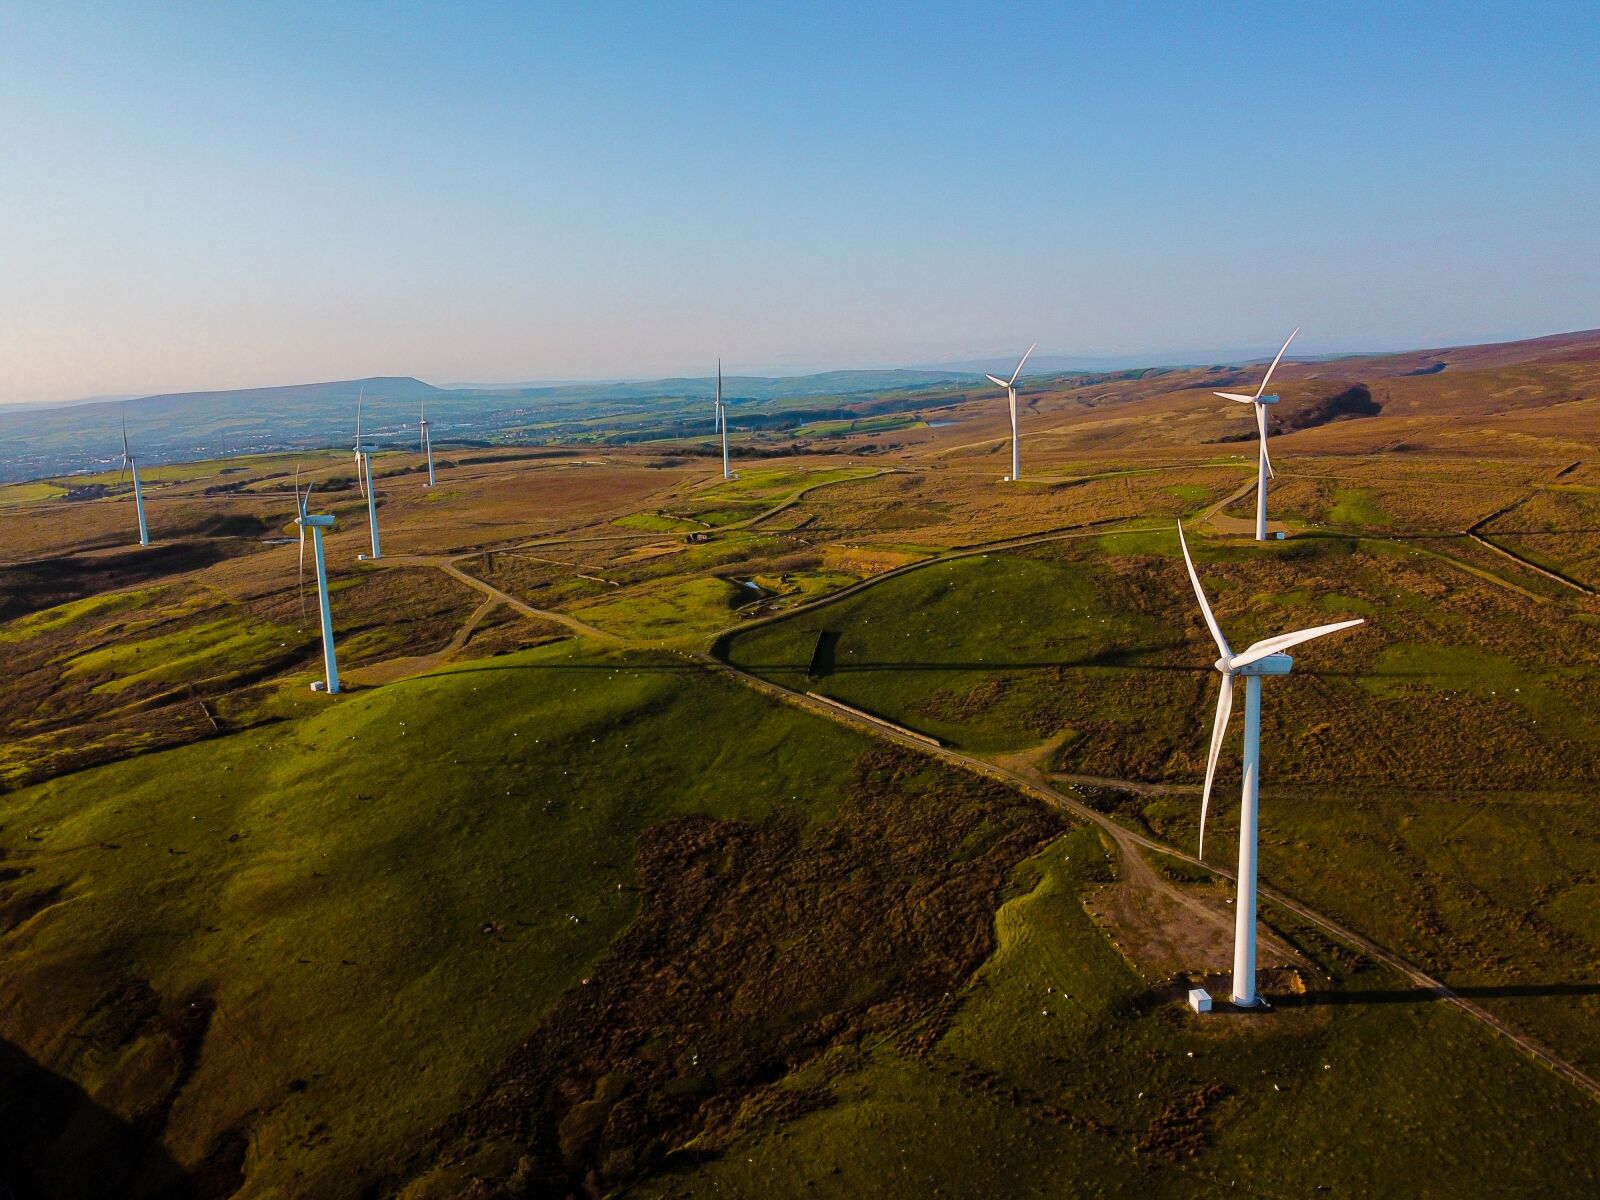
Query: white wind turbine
(317, 523)
(1264, 466)
(364, 480)
(722, 423)
(1265, 657)
(426, 439)
(1010, 386)
(129, 463)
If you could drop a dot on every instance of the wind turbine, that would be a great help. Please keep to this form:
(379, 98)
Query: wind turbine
(722, 423)
(1262, 658)
(317, 523)
(425, 439)
(1010, 386)
(1264, 466)
(364, 480)
(129, 463)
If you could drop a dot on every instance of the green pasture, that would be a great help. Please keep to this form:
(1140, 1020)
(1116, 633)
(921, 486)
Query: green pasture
(381, 898)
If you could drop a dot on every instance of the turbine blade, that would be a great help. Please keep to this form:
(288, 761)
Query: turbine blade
(719, 383)
(1200, 595)
(1219, 731)
(1272, 645)
(1235, 396)
(1018, 371)
(301, 583)
(999, 383)
(125, 456)
(1261, 424)
(360, 398)
(1266, 379)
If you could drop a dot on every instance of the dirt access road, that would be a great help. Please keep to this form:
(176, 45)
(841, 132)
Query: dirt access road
(1128, 845)
(1135, 869)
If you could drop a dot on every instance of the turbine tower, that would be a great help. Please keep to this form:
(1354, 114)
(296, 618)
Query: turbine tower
(722, 422)
(1264, 466)
(1261, 658)
(364, 481)
(425, 439)
(1010, 386)
(129, 463)
(317, 523)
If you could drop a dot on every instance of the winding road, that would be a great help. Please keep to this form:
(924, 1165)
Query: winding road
(1128, 844)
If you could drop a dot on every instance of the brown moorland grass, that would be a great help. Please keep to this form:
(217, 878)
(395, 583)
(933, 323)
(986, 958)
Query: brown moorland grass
(730, 978)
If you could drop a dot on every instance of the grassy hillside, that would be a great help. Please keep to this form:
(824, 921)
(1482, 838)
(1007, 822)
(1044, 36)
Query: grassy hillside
(295, 951)
(1093, 652)
(1054, 1073)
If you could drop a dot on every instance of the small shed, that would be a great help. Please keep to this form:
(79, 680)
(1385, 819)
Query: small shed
(1199, 1000)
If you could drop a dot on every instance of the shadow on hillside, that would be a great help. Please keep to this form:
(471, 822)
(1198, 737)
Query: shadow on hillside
(1115, 660)
(1423, 995)
(41, 583)
(56, 1143)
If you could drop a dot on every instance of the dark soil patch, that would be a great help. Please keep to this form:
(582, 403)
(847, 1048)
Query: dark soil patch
(1346, 404)
(757, 947)
(956, 705)
(1354, 401)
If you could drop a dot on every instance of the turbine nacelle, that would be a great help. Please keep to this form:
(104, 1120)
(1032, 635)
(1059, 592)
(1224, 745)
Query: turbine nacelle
(321, 520)
(1011, 383)
(1272, 664)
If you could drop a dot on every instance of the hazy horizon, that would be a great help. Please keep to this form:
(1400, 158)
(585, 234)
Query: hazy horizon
(209, 199)
(1038, 363)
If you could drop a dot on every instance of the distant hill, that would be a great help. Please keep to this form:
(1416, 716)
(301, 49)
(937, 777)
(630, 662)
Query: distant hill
(58, 440)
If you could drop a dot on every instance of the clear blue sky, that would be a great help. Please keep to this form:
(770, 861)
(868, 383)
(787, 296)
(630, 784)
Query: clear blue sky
(217, 195)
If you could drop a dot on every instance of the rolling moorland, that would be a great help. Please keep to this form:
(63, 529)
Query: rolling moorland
(829, 831)
(174, 429)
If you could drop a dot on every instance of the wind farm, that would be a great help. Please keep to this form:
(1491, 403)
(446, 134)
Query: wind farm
(436, 763)
(828, 596)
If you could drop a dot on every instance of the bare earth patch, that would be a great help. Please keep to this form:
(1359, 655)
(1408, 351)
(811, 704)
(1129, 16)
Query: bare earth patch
(1165, 930)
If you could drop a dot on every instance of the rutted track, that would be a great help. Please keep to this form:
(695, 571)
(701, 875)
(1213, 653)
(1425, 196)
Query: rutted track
(1128, 845)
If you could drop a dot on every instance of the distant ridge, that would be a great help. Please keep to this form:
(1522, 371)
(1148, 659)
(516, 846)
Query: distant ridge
(51, 440)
